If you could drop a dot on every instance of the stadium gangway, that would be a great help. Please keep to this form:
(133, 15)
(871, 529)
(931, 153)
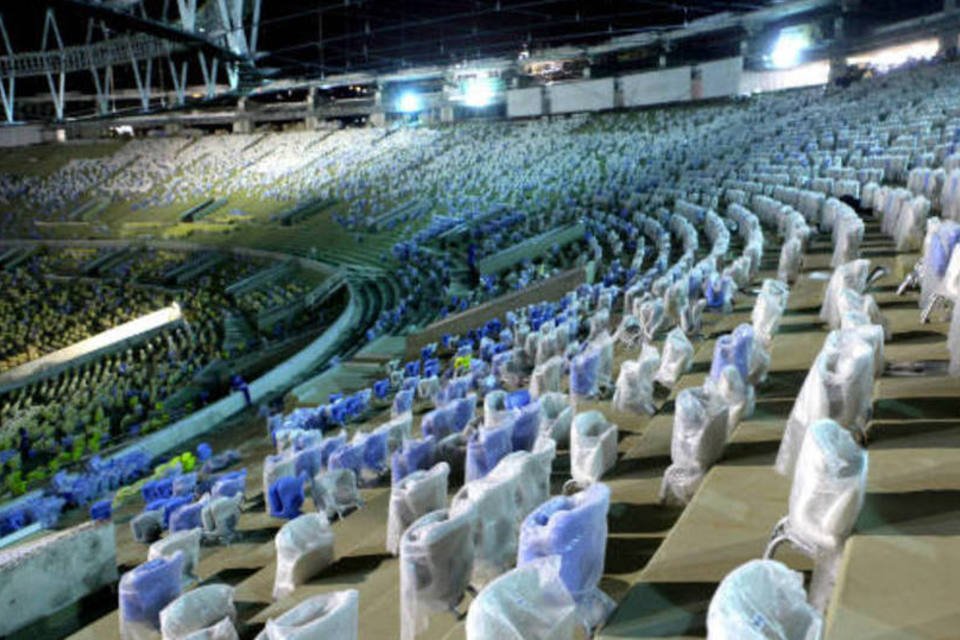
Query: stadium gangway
(106, 261)
(197, 268)
(532, 247)
(412, 208)
(303, 211)
(260, 279)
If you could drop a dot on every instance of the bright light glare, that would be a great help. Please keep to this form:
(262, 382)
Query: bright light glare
(409, 102)
(895, 56)
(786, 52)
(477, 92)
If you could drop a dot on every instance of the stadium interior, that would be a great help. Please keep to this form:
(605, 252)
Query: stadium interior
(501, 319)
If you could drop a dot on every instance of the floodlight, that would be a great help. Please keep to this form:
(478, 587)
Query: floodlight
(786, 52)
(477, 92)
(409, 102)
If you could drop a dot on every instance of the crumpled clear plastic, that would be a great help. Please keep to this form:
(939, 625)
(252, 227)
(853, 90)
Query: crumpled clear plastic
(453, 451)
(691, 320)
(485, 448)
(850, 275)
(652, 315)
(699, 435)
(333, 615)
(529, 602)
(839, 386)
(791, 260)
(762, 600)
(199, 610)
(574, 528)
(495, 410)
(942, 236)
(864, 303)
(733, 392)
(634, 390)
(547, 377)
(304, 549)
(147, 526)
(144, 591)
(222, 630)
(675, 300)
(847, 237)
(767, 312)
(910, 225)
(529, 471)
(953, 339)
(492, 501)
(630, 332)
(416, 495)
(829, 485)
(335, 492)
(677, 358)
(731, 350)
(219, 517)
(436, 560)
(276, 467)
(428, 389)
(860, 324)
(556, 417)
(593, 447)
(186, 543)
(585, 373)
(413, 455)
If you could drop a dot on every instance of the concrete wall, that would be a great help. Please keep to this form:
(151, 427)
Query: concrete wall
(551, 289)
(721, 78)
(656, 87)
(525, 103)
(39, 578)
(584, 95)
(20, 135)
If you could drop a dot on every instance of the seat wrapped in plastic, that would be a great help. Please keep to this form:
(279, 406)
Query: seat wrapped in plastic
(675, 300)
(766, 315)
(839, 386)
(413, 455)
(335, 492)
(733, 350)
(485, 448)
(529, 602)
(453, 451)
(652, 316)
(402, 402)
(436, 559)
(911, 224)
(762, 600)
(187, 543)
(276, 467)
(304, 549)
(847, 237)
(692, 318)
(493, 503)
(415, 496)
(144, 591)
(791, 260)
(147, 526)
(719, 293)
(397, 430)
(547, 377)
(677, 358)
(829, 485)
(863, 303)
(758, 360)
(860, 324)
(374, 453)
(942, 236)
(585, 373)
(850, 275)
(428, 389)
(333, 615)
(530, 473)
(634, 390)
(197, 614)
(495, 409)
(348, 456)
(230, 485)
(699, 434)
(593, 447)
(187, 517)
(733, 392)
(556, 417)
(574, 528)
(219, 517)
(285, 497)
(525, 426)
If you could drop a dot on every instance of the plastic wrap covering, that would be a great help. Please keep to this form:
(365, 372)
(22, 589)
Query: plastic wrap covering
(719, 293)
(829, 485)
(185, 543)
(585, 372)
(529, 472)
(731, 350)
(453, 417)
(495, 410)
(486, 448)
(492, 501)
(872, 333)
(593, 447)
(413, 497)
(453, 451)
(547, 377)
(677, 358)
(187, 517)
(762, 600)
(285, 497)
(147, 526)
(953, 339)
(220, 517)
(428, 389)
(402, 402)
(791, 261)
(692, 318)
(274, 468)
(304, 549)
(436, 558)
(851, 275)
(942, 237)
(335, 492)
(862, 303)
(839, 386)
(758, 360)
(634, 392)
(530, 602)
(413, 455)
(230, 485)
(397, 430)
(735, 393)
(675, 300)
(222, 630)
(911, 224)
(199, 610)
(144, 592)
(651, 315)
(333, 615)
(951, 279)
(630, 332)
(574, 528)
(699, 433)
(766, 315)
(525, 426)
(556, 417)
(848, 235)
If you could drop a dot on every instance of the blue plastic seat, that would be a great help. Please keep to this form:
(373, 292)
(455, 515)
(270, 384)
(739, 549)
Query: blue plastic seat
(230, 484)
(414, 455)
(285, 497)
(147, 589)
(526, 426)
(486, 448)
(102, 510)
(186, 517)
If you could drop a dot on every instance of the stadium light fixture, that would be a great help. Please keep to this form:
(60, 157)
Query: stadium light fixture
(410, 102)
(788, 48)
(478, 92)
